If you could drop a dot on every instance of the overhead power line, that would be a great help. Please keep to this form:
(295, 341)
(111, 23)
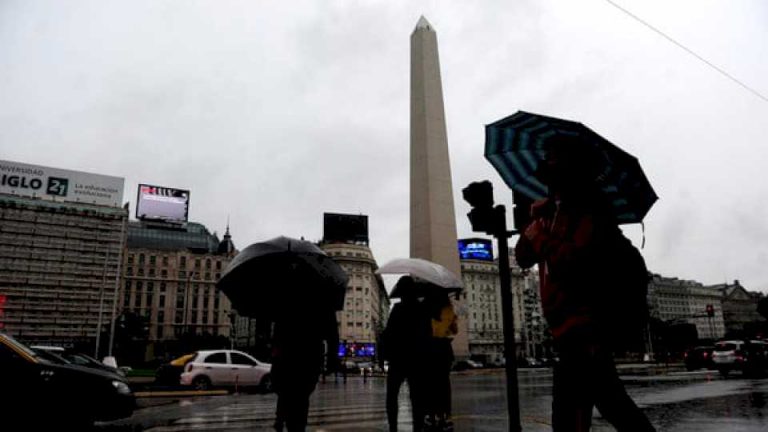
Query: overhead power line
(690, 51)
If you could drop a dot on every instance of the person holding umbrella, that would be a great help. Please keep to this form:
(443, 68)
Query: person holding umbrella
(573, 237)
(404, 342)
(295, 285)
(434, 323)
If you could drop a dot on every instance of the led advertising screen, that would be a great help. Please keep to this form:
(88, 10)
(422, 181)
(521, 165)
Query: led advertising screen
(345, 228)
(357, 349)
(476, 249)
(162, 203)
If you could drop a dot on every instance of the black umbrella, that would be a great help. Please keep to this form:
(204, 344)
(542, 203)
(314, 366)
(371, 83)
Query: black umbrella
(516, 146)
(269, 278)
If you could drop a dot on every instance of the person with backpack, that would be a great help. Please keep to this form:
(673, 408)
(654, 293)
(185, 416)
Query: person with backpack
(592, 285)
(438, 362)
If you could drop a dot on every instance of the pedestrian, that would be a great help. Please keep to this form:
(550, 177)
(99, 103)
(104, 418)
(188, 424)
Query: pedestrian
(439, 361)
(572, 236)
(404, 342)
(299, 338)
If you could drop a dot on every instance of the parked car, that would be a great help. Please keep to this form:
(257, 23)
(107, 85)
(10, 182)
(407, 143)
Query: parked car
(38, 389)
(76, 358)
(226, 368)
(749, 357)
(170, 373)
(699, 357)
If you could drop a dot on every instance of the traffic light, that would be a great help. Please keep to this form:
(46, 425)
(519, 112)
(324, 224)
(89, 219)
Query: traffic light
(710, 310)
(482, 216)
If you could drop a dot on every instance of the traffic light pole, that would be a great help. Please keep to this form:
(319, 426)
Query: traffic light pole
(508, 319)
(486, 218)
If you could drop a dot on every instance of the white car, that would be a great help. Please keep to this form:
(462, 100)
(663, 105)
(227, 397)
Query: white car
(226, 368)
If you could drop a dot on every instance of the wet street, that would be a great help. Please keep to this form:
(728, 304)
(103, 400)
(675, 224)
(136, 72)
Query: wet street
(684, 401)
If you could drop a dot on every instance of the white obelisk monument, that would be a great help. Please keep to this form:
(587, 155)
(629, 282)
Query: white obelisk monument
(433, 220)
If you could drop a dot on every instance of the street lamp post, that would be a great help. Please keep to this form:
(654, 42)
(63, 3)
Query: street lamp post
(185, 323)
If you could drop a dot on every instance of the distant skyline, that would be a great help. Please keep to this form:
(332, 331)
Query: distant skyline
(273, 113)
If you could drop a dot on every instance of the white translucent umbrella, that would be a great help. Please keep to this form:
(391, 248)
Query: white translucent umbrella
(423, 270)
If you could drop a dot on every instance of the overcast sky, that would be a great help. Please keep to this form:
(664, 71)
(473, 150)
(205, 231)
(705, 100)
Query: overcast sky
(274, 112)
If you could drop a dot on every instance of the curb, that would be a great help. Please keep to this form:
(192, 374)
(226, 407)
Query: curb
(179, 393)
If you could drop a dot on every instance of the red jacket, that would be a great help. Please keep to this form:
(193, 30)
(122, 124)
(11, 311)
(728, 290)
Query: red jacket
(567, 241)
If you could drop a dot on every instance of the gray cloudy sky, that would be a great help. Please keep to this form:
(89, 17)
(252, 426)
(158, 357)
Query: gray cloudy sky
(274, 112)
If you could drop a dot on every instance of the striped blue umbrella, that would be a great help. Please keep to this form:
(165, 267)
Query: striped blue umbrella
(516, 146)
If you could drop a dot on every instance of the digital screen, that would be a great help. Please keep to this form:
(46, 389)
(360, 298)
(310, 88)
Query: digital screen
(345, 228)
(162, 203)
(476, 249)
(357, 349)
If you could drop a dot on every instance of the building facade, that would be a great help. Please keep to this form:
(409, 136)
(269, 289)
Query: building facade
(59, 267)
(676, 300)
(535, 339)
(739, 308)
(482, 296)
(169, 277)
(366, 305)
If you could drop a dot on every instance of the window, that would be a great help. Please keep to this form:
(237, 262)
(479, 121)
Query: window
(183, 262)
(208, 264)
(152, 260)
(240, 359)
(141, 272)
(129, 271)
(164, 273)
(165, 260)
(197, 263)
(194, 316)
(139, 285)
(161, 302)
(218, 265)
(130, 259)
(182, 274)
(160, 317)
(207, 276)
(127, 285)
(151, 272)
(141, 258)
(217, 358)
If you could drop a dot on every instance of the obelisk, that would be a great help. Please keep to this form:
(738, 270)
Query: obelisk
(433, 220)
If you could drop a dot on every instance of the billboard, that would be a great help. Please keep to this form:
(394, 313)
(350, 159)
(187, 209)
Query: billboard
(55, 184)
(476, 249)
(339, 227)
(162, 203)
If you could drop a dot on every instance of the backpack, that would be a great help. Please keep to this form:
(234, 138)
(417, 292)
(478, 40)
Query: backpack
(446, 326)
(622, 302)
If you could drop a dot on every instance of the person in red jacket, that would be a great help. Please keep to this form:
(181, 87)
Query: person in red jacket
(570, 237)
